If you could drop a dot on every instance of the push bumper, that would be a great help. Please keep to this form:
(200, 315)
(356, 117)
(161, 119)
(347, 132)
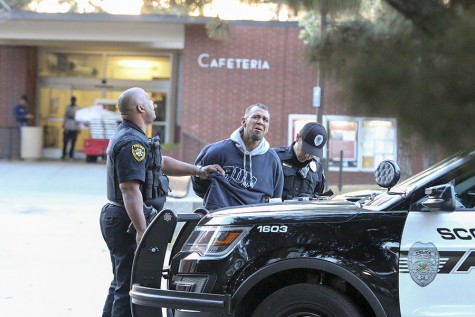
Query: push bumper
(146, 294)
(216, 305)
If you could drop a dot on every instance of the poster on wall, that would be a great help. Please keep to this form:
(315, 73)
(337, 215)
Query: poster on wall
(354, 143)
(342, 141)
(296, 123)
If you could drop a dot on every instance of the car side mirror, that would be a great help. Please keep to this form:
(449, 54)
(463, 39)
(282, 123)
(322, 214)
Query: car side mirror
(387, 174)
(439, 198)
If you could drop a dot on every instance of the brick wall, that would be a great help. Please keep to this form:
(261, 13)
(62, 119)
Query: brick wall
(215, 99)
(18, 76)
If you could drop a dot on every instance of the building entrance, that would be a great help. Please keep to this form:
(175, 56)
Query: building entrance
(91, 77)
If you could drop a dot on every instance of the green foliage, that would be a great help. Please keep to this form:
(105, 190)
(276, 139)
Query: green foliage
(24, 5)
(417, 68)
(177, 7)
(325, 6)
(218, 30)
(15, 4)
(310, 27)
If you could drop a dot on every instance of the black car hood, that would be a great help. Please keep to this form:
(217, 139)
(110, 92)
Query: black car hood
(286, 212)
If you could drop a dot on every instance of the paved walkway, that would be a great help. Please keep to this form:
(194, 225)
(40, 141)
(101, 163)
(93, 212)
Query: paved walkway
(53, 260)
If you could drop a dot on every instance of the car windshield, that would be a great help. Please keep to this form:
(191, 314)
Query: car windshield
(440, 173)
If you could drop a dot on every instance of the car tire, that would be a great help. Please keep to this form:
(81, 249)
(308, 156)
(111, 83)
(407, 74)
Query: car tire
(307, 300)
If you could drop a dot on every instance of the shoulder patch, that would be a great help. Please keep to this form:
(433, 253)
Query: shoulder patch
(138, 151)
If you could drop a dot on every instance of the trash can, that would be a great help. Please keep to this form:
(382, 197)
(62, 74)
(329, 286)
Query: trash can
(31, 142)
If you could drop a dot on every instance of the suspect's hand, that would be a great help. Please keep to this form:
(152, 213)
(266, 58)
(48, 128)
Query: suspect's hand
(207, 170)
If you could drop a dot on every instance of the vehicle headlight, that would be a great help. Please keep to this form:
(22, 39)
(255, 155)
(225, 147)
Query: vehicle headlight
(214, 241)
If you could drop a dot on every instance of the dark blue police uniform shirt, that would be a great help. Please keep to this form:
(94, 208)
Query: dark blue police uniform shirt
(131, 153)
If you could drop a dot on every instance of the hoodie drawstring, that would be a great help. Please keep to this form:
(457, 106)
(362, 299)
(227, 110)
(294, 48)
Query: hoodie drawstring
(248, 175)
(250, 169)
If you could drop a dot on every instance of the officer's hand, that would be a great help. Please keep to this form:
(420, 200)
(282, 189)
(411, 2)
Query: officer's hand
(207, 170)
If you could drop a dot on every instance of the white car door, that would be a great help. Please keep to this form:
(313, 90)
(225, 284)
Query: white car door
(437, 264)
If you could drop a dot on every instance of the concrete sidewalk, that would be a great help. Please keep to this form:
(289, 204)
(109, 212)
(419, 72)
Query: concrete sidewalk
(53, 259)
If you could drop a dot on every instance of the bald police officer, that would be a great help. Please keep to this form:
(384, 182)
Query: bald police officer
(303, 172)
(135, 181)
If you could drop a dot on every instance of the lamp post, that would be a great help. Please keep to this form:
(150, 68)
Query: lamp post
(321, 70)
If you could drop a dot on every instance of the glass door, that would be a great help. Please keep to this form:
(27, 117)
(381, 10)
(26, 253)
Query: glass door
(54, 100)
(90, 76)
(53, 103)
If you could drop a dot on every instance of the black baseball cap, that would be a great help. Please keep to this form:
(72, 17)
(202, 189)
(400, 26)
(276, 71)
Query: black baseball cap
(314, 137)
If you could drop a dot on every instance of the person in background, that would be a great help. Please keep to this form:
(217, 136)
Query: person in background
(303, 172)
(71, 129)
(252, 170)
(20, 112)
(136, 181)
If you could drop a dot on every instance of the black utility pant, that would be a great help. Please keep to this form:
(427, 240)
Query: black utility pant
(69, 137)
(114, 223)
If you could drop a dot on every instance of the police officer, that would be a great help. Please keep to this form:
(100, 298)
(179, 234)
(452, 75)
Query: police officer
(303, 172)
(135, 181)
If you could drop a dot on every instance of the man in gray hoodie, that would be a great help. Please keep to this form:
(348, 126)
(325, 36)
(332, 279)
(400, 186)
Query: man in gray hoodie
(253, 173)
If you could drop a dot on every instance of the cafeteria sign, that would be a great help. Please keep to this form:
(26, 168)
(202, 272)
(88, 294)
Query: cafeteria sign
(207, 61)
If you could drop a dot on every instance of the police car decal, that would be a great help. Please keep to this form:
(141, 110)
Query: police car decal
(138, 151)
(437, 264)
(449, 262)
(422, 263)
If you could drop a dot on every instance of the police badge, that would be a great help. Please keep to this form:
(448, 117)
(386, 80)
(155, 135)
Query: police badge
(313, 166)
(423, 263)
(138, 151)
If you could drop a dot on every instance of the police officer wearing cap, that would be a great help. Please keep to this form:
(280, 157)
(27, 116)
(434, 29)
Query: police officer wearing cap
(136, 182)
(303, 172)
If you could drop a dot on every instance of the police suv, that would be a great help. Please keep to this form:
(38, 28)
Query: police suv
(408, 251)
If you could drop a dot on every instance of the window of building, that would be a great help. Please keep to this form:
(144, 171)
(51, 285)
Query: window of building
(342, 142)
(59, 64)
(378, 142)
(104, 66)
(355, 143)
(137, 67)
(94, 75)
(360, 144)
